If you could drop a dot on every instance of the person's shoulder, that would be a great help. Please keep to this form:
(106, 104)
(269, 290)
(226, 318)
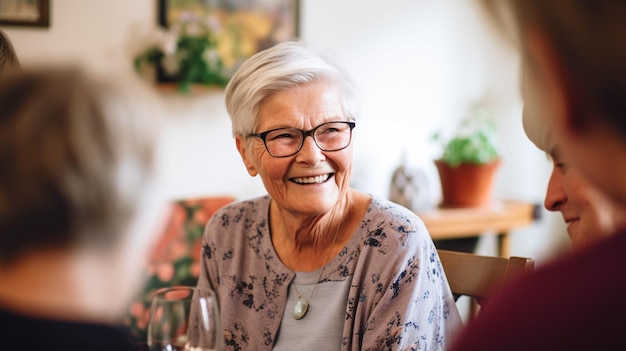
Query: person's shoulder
(605, 255)
(598, 262)
(587, 270)
(387, 205)
(392, 211)
(242, 206)
(236, 211)
(35, 333)
(561, 295)
(387, 214)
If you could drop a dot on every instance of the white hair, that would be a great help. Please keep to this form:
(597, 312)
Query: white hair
(284, 66)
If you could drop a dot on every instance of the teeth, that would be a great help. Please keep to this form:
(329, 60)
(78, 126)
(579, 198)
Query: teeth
(311, 180)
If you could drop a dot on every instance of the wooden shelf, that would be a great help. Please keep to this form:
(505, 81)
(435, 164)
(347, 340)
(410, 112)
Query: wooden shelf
(498, 218)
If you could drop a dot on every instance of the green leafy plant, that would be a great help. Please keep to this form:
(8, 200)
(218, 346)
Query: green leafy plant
(476, 141)
(187, 52)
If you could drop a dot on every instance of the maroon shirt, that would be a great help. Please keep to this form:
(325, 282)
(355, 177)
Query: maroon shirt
(27, 333)
(577, 302)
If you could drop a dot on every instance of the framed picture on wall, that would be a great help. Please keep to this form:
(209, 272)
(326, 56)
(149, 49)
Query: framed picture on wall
(29, 13)
(239, 28)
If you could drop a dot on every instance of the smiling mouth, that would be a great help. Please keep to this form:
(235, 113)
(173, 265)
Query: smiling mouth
(312, 180)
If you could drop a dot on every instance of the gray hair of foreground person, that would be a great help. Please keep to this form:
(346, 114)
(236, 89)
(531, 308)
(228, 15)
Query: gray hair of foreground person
(78, 160)
(283, 67)
(592, 65)
(8, 57)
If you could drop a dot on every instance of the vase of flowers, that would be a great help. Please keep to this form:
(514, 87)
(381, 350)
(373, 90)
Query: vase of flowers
(185, 53)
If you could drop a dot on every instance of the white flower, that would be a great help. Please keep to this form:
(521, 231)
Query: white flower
(211, 56)
(214, 23)
(168, 42)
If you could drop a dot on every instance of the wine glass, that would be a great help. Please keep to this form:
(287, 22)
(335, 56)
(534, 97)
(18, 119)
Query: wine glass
(184, 318)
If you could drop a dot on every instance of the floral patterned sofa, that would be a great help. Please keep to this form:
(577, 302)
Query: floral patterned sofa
(175, 259)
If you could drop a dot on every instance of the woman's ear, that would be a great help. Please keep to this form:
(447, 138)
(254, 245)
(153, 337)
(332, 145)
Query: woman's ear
(241, 147)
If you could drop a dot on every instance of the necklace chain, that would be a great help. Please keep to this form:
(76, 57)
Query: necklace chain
(302, 306)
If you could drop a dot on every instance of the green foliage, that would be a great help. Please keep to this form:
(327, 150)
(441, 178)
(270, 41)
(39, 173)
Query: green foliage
(476, 142)
(193, 58)
(196, 63)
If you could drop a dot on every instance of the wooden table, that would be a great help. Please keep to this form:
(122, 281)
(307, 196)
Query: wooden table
(498, 218)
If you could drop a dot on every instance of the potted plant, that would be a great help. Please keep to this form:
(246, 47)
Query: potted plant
(469, 162)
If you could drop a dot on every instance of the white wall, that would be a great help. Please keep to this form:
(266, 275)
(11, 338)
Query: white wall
(420, 65)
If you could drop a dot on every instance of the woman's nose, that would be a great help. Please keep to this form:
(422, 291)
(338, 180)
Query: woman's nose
(310, 152)
(555, 193)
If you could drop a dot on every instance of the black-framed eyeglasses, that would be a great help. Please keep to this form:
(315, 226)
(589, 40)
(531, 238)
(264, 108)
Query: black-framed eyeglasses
(285, 142)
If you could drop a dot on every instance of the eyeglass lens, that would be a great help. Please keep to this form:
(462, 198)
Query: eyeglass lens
(330, 136)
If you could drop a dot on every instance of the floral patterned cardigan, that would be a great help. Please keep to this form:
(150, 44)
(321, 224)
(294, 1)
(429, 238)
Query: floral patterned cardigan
(399, 297)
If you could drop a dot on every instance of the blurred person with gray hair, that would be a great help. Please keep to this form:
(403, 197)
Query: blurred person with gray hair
(80, 206)
(8, 56)
(575, 81)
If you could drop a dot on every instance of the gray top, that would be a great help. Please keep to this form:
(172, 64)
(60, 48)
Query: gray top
(399, 298)
(322, 326)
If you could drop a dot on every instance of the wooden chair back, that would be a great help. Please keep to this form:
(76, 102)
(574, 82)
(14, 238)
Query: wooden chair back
(478, 276)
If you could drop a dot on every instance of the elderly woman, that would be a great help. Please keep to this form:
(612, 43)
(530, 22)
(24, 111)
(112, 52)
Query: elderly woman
(315, 264)
(574, 54)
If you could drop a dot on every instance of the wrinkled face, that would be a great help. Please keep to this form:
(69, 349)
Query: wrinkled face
(312, 181)
(588, 213)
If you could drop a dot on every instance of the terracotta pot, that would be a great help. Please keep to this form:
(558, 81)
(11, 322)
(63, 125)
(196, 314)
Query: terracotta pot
(468, 185)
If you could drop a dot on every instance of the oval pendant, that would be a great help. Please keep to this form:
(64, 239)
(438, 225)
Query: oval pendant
(302, 306)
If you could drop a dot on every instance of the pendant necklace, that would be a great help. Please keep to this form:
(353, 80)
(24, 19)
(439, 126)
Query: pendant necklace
(302, 306)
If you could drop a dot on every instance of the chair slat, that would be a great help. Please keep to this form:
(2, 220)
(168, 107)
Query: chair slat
(479, 276)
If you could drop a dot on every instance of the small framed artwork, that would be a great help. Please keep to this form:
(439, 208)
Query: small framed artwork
(28, 13)
(239, 28)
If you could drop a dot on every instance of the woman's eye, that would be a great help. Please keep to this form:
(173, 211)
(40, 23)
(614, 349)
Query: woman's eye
(561, 165)
(282, 136)
(328, 130)
(285, 135)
